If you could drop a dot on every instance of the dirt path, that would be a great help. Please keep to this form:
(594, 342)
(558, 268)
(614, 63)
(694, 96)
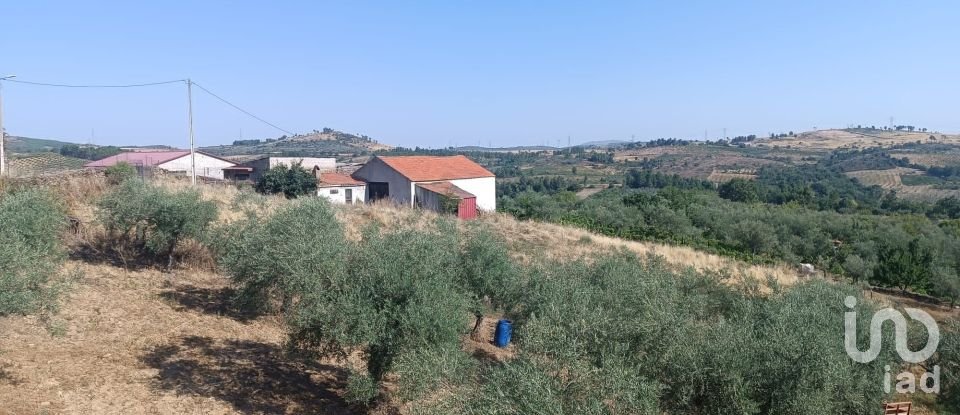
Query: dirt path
(144, 342)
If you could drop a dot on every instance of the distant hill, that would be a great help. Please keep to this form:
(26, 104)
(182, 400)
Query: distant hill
(826, 140)
(17, 144)
(604, 143)
(505, 149)
(319, 142)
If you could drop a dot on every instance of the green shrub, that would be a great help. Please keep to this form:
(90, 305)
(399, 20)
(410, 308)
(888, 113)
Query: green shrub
(30, 249)
(402, 294)
(488, 271)
(283, 255)
(620, 336)
(120, 172)
(153, 220)
(292, 181)
(611, 335)
(361, 388)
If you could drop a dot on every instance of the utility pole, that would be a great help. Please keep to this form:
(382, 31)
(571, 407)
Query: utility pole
(3, 135)
(193, 155)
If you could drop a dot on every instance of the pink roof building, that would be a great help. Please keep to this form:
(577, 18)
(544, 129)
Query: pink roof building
(177, 161)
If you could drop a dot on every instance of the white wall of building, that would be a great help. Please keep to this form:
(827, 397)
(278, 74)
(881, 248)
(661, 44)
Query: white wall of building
(484, 188)
(338, 194)
(206, 166)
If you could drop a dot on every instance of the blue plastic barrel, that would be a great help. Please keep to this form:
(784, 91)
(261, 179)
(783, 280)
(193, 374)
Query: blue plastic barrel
(501, 338)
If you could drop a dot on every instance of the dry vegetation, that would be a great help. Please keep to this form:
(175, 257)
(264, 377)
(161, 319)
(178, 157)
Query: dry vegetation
(140, 341)
(836, 139)
(720, 176)
(695, 160)
(887, 179)
(940, 159)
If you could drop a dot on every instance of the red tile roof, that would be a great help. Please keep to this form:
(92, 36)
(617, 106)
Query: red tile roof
(428, 168)
(337, 179)
(140, 158)
(446, 189)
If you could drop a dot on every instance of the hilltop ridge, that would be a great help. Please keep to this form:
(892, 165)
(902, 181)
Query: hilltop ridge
(318, 142)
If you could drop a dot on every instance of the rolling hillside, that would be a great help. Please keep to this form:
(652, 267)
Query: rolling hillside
(318, 143)
(855, 138)
(17, 144)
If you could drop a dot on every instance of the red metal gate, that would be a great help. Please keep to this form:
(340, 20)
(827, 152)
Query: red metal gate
(467, 208)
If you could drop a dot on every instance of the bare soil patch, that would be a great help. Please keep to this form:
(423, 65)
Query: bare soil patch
(146, 342)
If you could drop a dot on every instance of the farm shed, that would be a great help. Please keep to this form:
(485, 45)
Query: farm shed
(177, 161)
(340, 188)
(254, 169)
(446, 197)
(397, 178)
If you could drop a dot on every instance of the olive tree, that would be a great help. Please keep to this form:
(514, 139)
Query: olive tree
(283, 255)
(30, 248)
(400, 302)
(153, 219)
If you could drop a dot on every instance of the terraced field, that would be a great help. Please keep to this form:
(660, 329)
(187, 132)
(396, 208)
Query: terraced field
(941, 159)
(42, 163)
(891, 179)
(887, 179)
(720, 176)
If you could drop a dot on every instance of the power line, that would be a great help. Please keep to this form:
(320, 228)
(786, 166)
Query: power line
(248, 113)
(241, 109)
(95, 86)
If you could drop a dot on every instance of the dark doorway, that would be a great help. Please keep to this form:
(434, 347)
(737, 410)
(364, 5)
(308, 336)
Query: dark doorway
(348, 196)
(378, 190)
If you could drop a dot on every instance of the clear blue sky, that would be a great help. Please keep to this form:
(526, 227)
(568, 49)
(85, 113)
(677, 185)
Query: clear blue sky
(455, 72)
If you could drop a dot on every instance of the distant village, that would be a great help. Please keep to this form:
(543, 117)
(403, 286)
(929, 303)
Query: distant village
(453, 184)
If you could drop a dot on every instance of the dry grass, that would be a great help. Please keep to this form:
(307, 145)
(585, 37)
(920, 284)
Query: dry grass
(145, 342)
(536, 240)
(590, 191)
(721, 177)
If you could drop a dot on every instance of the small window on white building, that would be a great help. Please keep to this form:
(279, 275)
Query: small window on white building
(334, 191)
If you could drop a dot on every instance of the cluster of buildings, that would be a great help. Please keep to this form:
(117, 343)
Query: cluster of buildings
(451, 184)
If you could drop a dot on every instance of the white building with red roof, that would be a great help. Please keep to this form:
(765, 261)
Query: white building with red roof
(341, 188)
(177, 161)
(430, 181)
